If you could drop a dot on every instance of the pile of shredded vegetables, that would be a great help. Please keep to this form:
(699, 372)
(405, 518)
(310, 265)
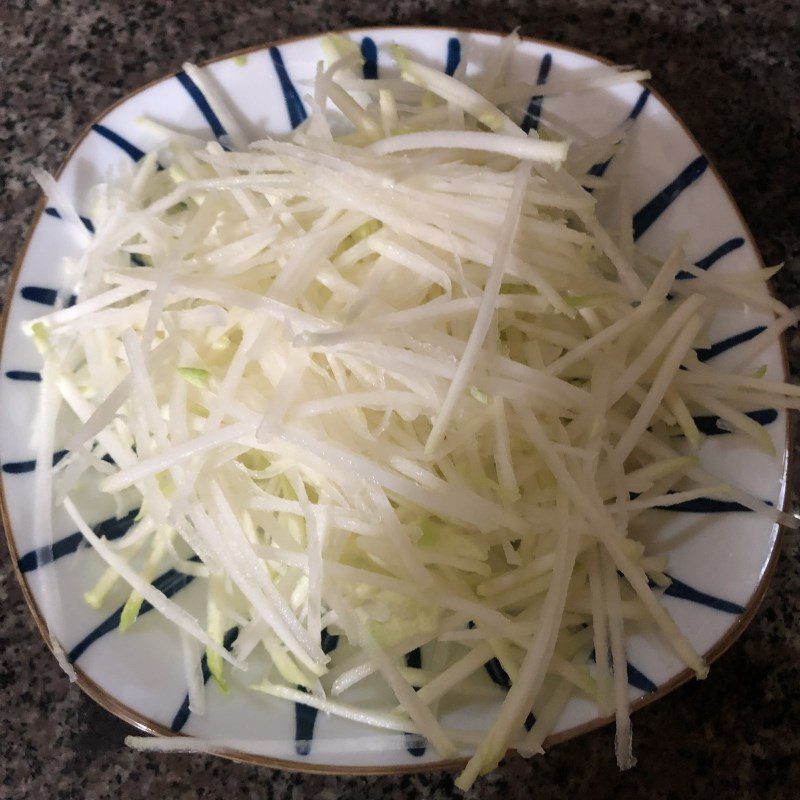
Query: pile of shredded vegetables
(393, 381)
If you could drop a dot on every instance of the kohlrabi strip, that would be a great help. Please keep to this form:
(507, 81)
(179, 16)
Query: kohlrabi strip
(390, 379)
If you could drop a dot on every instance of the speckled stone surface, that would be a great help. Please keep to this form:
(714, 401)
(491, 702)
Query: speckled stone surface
(731, 70)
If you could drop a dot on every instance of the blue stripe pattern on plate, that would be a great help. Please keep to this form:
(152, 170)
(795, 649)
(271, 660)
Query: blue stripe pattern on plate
(639, 105)
(636, 677)
(169, 583)
(53, 212)
(453, 55)
(183, 713)
(23, 375)
(718, 348)
(496, 672)
(415, 744)
(701, 505)
(202, 104)
(705, 505)
(120, 141)
(707, 424)
(21, 467)
(305, 717)
(533, 113)
(369, 53)
(683, 591)
(111, 528)
(44, 295)
(639, 680)
(599, 169)
(294, 105)
(715, 255)
(644, 218)
(500, 677)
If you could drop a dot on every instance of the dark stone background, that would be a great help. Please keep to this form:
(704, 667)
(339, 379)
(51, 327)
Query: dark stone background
(731, 70)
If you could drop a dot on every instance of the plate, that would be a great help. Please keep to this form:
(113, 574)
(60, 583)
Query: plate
(721, 556)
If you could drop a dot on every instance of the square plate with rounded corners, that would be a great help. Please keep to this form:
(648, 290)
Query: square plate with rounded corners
(138, 675)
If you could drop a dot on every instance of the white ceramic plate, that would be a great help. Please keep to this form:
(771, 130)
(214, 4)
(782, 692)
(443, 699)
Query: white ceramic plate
(720, 555)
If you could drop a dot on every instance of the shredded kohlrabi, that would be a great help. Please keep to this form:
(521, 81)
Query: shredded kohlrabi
(390, 378)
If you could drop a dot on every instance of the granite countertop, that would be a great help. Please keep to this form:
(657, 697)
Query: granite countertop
(731, 70)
